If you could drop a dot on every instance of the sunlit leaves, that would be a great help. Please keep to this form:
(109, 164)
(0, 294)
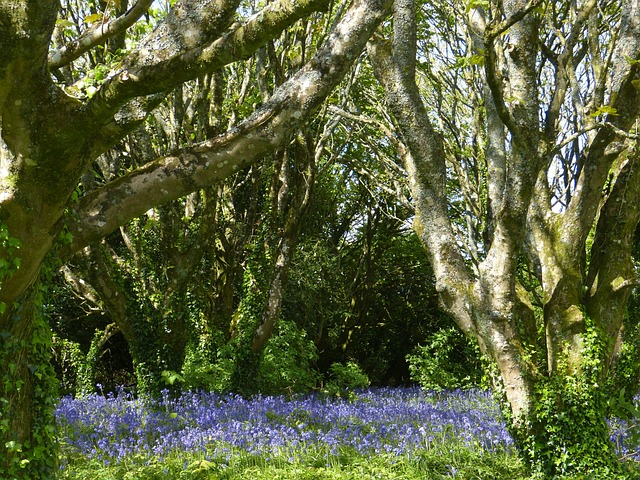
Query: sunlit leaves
(477, 4)
(93, 18)
(604, 110)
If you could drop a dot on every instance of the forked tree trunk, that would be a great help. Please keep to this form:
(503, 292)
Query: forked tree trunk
(553, 360)
(265, 281)
(300, 183)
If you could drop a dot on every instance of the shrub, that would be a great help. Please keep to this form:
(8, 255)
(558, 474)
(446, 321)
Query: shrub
(345, 378)
(288, 361)
(449, 361)
(208, 365)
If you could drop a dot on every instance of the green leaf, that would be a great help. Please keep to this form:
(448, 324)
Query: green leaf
(632, 61)
(93, 18)
(63, 22)
(13, 446)
(476, 4)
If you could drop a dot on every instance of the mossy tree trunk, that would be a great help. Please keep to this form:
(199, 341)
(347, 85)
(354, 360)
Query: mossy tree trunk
(86, 367)
(27, 392)
(554, 337)
(292, 194)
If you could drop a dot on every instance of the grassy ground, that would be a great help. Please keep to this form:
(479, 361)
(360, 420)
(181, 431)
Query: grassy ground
(442, 462)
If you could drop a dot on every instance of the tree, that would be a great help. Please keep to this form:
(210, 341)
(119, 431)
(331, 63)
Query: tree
(50, 138)
(545, 294)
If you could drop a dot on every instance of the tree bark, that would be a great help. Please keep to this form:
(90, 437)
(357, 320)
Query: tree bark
(302, 184)
(27, 392)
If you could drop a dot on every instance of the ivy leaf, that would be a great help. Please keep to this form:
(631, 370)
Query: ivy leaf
(475, 59)
(632, 61)
(13, 446)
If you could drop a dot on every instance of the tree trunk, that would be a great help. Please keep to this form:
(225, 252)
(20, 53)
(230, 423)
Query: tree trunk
(299, 184)
(86, 370)
(27, 392)
(566, 430)
(554, 357)
(265, 279)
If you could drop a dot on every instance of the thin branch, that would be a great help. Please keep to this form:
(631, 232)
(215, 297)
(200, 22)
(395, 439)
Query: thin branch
(622, 133)
(574, 137)
(583, 16)
(629, 283)
(494, 82)
(391, 136)
(494, 30)
(97, 35)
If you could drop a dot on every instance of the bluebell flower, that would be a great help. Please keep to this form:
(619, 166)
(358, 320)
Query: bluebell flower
(398, 421)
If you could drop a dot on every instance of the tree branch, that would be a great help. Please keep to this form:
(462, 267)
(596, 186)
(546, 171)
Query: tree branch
(491, 32)
(144, 74)
(174, 176)
(96, 35)
(625, 99)
(562, 62)
(495, 29)
(425, 166)
(494, 82)
(628, 283)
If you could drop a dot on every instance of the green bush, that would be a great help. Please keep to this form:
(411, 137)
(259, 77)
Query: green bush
(449, 361)
(625, 372)
(67, 357)
(286, 365)
(208, 366)
(344, 378)
(288, 361)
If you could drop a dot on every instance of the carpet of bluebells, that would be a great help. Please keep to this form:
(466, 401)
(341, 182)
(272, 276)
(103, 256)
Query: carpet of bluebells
(386, 420)
(396, 421)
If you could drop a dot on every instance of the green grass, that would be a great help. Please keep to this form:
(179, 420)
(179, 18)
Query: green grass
(441, 462)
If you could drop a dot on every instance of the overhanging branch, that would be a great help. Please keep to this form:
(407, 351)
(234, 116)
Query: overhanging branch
(171, 177)
(143, 76)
